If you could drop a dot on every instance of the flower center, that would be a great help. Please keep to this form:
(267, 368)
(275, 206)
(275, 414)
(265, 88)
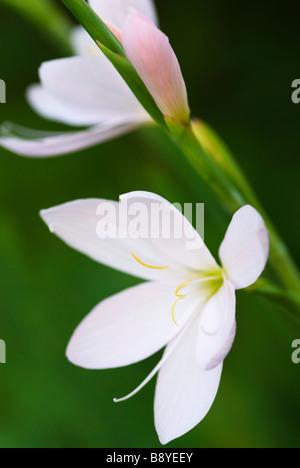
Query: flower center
(210, 283)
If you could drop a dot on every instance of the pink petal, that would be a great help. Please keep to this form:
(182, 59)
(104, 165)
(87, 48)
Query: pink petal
(115, 11)
(151, 54)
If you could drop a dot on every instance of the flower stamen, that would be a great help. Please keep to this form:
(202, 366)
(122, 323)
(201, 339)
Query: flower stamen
(184, 285)
(180, 297)
(149, 266)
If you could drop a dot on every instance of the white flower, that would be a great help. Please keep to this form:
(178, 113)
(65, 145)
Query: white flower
(87, 91)
(187, 305)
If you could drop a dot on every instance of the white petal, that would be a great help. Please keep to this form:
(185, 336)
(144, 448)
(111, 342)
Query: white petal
(171, 232)
(91, 88)
(51, 108)
(83, 44)
(244, 251)
(115, 11)
(45, 104)
(217, 328)
(98, 228)
(59, 144)
(128, 327)
(128, 236)
(103, 230)
(184, 393)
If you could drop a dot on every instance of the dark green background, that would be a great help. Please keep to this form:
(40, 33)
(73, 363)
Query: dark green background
(239, 60)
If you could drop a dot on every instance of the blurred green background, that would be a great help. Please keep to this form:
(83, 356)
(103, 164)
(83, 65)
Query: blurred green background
(239, 60)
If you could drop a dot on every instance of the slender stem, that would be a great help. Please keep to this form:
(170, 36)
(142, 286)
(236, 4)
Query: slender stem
(215, 165)
(204, 165)
(289, 299)
(115, 53)
(280, 258)
(282, 261)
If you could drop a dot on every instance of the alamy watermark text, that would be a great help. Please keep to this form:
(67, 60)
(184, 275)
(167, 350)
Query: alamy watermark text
(154, 220)
(296, 93)
(2, 92)
(2, 352)
(296, 353)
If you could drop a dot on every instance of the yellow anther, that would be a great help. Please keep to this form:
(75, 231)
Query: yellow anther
(149, 266)
(180, 287)
(173, 310)
(180, 297)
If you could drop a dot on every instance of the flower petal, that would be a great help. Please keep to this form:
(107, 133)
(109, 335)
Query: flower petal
(184, 393)
(115, 11)
(63, 143)
(150, 52)
(83, 44)
(99, 229)
(244, 251)
(50, 108)
(171, 232)
(128, 327)
(217, 328)
(88, 87)
(124, 236)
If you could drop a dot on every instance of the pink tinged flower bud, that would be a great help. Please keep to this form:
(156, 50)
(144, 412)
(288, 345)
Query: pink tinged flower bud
(115, 30)
(151, 54)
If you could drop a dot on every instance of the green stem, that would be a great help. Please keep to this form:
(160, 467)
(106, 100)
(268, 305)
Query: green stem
(288, 299)
(280, 257)
(282, 261)
(204, 165)
(217, 168)
(114, 51)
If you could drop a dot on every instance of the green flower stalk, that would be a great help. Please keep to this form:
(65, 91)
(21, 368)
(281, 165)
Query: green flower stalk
(114, 51)
(141, 54)
(202, 147)
(280, 258)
